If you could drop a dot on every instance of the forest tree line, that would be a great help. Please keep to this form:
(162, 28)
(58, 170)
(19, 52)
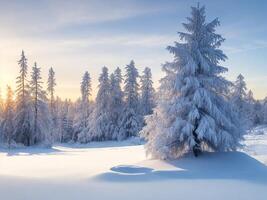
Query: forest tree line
(34, 114)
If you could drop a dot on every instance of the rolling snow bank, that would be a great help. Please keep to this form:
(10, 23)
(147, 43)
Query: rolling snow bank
(111, 170)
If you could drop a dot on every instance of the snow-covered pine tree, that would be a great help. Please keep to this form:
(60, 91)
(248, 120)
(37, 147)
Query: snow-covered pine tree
(264, 110)
(7, 125)
(251, 107)
(192, 112)
(51, 84)
(259, 112)
(238, 99)
(81, 127)
(23, 112)
(66, 121)
(147, 92)
(100, 121)
(116, 102)
(239, 93)
(41, 115)
(131, 119)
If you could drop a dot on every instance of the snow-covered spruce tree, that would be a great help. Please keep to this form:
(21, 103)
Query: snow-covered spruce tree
(65, 121)
(23, 112)
(259, 112)
(100, 121)
(147, 92)
(51, 84)
(41, 115)
(264, 111)
(251, 107)
(7, 125)
(131, 119)
(116, 103)
(239, 93)
(81, 127)
(193, 113)
(238, 99)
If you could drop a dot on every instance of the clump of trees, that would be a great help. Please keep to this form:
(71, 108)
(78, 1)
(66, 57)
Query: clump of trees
(38, 116)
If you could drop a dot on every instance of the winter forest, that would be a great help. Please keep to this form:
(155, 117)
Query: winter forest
(37, 116)
(197, 134)
(195, 107)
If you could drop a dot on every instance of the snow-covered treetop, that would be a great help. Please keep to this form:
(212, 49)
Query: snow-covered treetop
(51, 82)
(240, 87)
(131, 86)
(86, 87)
(36, 83)
(103, 91)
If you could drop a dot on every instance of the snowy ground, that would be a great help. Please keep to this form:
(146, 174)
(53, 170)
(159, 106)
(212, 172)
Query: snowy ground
(113, 170)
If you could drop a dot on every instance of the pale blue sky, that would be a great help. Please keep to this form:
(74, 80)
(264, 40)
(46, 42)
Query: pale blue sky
(74, 36)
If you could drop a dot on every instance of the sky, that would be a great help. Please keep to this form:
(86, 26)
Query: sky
(85, 35)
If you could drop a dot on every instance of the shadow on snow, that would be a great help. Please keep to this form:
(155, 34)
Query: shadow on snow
(220, 166)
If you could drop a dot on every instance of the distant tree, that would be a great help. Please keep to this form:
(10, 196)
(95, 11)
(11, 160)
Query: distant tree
(100, 121)
(259, 112)
(23, 113)
(131, 119)
(192, 113)
(7, 126)
(147, 92)
(41, 115)
(240, 101)
(251, 114)
(116, 102)
(66, 122)
(51, 84)
(81, 124)
(239, 93)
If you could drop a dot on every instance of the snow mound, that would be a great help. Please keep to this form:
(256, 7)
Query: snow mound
(210, 166)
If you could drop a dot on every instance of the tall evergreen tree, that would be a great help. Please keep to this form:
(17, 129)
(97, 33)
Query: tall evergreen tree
(66, 122)
(100, 121)
(192, 112)
(116, 102)
(51, 84)
(239, 93)
(239, 100)
(251, 107)
(41, 118)
(131, 119)
(81, 126)
(7, 125)
(147, 92)
(23, 117)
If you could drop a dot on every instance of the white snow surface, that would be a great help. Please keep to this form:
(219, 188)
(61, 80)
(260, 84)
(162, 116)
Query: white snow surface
(121, 170)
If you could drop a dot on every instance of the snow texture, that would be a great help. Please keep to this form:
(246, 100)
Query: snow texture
(121, 171)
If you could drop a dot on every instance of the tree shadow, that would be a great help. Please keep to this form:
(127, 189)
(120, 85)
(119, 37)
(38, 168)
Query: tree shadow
(134, 141)
(34, 150)
(219, 166)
